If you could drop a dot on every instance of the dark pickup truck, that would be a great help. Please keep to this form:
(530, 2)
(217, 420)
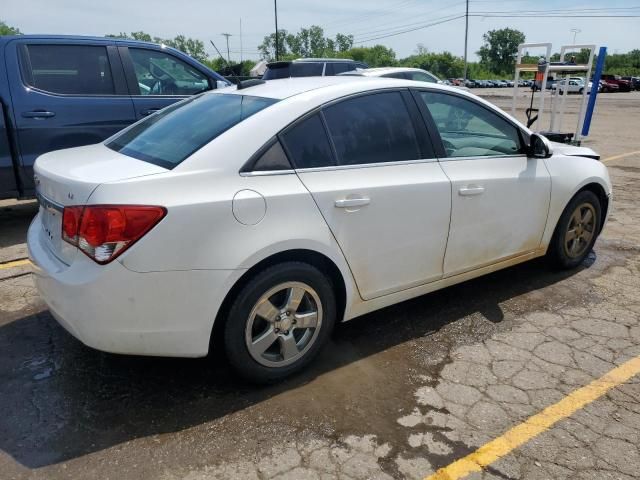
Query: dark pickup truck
(66, 91)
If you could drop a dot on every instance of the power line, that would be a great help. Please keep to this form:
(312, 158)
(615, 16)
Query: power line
(410, 30)
(390, 26)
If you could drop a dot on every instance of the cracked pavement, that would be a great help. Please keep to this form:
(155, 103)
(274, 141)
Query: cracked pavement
(396, 394)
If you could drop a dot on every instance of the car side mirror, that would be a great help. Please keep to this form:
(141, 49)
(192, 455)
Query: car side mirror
(539, 147)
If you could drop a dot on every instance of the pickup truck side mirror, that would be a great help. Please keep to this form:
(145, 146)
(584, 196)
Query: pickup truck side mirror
(539, 147)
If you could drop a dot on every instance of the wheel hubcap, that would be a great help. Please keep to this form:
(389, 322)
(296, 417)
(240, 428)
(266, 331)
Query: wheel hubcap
(283, 324)
(580, 230)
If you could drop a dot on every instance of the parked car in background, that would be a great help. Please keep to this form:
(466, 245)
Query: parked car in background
(575, 85)
(609, 87)
(623, 85)
(261, 216)
(404, 73)
(65, 91)
(633, 81)
(310, 67)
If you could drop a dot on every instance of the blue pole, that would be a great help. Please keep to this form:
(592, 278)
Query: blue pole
(602, 54)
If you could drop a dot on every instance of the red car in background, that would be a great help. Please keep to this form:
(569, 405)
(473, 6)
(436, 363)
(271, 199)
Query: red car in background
(623, 85)
(607, 86)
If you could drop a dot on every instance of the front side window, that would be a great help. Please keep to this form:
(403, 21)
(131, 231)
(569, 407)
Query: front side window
(68, 69)
(158, 73)
(470, 130)
(372, 129)
(335, 68)
(176, 132)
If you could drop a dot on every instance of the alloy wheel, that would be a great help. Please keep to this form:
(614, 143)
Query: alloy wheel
(283, 324)
(580, 230)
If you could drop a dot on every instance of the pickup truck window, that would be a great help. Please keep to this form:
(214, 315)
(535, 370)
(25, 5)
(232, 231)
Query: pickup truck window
(173, 134)
(159, 73)
(67, 69)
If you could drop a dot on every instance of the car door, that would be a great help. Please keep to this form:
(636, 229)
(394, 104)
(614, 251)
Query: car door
(499, 197)
(68, 93)
(158, 79)
(369, 165)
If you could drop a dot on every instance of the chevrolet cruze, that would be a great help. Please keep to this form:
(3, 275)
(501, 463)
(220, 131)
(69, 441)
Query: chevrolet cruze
(264, 214)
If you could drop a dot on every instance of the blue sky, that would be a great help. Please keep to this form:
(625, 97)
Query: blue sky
(207, 19)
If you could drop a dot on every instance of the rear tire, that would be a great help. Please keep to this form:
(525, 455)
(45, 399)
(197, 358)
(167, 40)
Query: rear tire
(576, 231)
(279, 321)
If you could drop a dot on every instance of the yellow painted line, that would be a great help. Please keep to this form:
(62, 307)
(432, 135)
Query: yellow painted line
(537, 424)
(15, 263)
(622, 155)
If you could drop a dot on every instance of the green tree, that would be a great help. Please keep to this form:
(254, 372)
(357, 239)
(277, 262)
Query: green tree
(8, 30)
(443, 65)
(498, 53)
(376, 56)
(267, 48)
(307, 42)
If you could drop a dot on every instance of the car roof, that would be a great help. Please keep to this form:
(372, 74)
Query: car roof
(128, 41)
(377, 71)
(281, 89)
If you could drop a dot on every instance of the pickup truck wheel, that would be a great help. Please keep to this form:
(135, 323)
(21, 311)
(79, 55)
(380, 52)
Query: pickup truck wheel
(576, 232)
(279, 321)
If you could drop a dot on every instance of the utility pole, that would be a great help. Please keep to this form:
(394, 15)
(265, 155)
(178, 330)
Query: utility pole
(466, 40)
(240, 41)
(275, 8)
(227, 35)
(575, 32)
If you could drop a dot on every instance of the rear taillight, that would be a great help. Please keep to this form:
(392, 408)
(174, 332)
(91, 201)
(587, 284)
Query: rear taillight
(105, 231)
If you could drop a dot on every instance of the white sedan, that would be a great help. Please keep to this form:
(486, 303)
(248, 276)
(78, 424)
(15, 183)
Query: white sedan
(264, 214)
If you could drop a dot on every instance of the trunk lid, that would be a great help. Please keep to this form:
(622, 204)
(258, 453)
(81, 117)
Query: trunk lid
(69, 177)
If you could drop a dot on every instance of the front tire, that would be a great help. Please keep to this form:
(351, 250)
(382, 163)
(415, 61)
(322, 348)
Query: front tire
(577, 231)
(279, 321)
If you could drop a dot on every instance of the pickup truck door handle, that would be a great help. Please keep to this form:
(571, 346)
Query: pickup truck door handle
(149, 111)
(471, 190)
(352, 202)
(38, 114)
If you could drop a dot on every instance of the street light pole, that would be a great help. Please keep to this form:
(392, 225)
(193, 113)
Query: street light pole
(466, 40)
(227, 35)
(575, 32)
(275, 9)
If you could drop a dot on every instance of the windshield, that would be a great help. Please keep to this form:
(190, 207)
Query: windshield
(176, 132)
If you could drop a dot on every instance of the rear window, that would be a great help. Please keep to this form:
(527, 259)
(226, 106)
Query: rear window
(173, 134)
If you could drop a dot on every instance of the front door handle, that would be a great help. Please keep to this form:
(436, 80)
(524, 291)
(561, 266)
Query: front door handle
(38, 114)
(352, 202)
(471, 190)
(149, 111)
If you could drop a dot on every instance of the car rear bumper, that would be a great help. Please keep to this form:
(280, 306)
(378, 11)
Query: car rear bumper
(111, 308)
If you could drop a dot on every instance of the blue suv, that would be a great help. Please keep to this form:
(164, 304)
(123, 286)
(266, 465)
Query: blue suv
(66, 91)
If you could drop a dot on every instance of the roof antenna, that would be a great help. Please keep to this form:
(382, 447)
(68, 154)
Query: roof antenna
(240, 84)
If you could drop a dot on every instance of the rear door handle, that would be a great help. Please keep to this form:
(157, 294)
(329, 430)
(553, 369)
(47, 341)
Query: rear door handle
(352, 202)
(38, 114)
(471, 190)
(149, 111)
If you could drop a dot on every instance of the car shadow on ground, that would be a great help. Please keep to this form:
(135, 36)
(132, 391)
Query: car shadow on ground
(61, 400)
(14, 221)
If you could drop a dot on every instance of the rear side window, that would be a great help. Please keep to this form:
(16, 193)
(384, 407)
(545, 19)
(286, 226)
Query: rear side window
(372, 129)
(308, 145)
(173, 134)
(68, 69)
(270, 159)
